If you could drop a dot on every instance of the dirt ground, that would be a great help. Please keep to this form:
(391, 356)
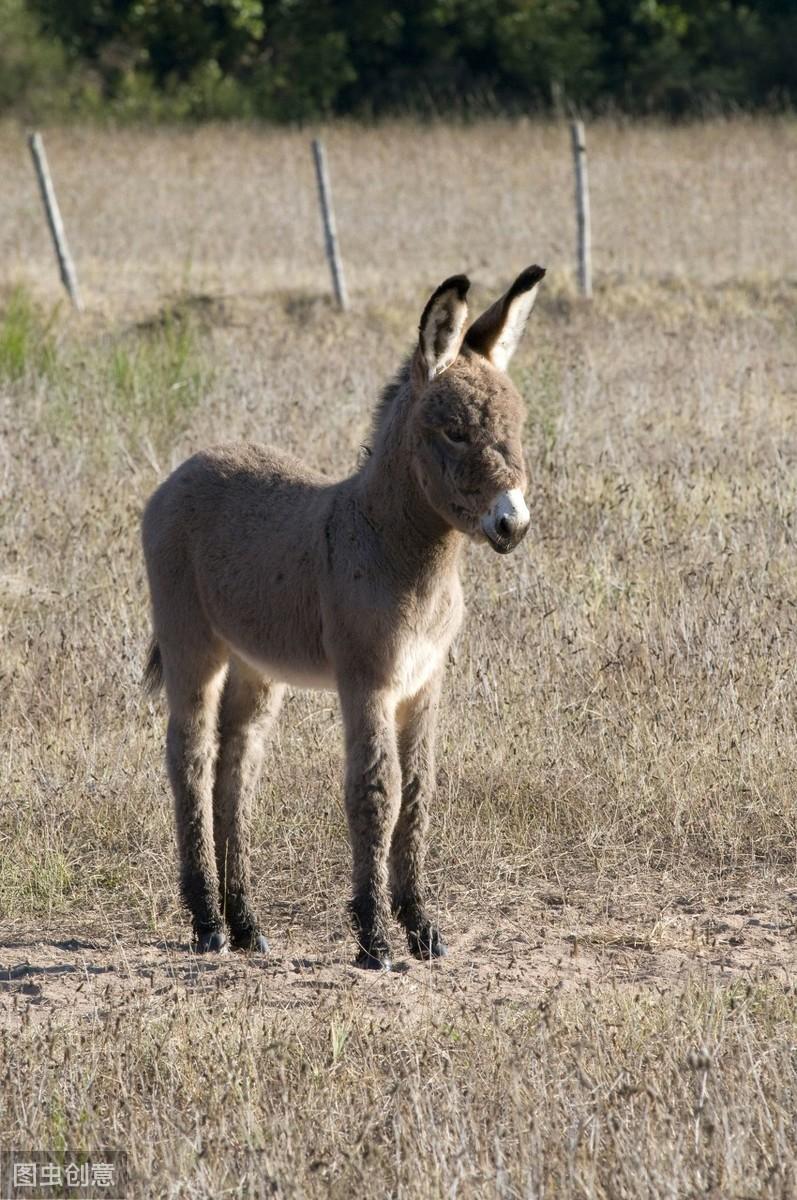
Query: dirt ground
(579, 938)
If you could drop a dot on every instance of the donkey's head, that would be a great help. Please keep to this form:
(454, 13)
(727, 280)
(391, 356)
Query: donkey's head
(467, 416)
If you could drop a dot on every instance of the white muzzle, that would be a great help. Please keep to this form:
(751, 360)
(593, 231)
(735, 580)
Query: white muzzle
(507, 521)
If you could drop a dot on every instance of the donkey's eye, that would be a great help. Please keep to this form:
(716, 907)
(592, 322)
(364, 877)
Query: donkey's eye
(454, 438)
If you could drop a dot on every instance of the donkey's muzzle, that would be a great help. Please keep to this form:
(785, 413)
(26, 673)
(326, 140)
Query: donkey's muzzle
(507, 521)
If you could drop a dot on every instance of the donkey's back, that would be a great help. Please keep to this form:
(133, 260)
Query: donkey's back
(233, 541)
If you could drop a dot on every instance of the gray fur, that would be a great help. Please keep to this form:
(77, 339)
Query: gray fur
(262, 572)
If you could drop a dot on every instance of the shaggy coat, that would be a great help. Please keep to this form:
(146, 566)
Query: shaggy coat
(263, 573)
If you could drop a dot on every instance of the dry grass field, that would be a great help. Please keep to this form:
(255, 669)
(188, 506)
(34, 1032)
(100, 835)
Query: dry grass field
(616, 821)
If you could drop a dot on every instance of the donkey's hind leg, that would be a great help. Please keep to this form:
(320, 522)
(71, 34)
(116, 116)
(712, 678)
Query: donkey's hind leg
(249, 706)
(416, 740)
(193, 686)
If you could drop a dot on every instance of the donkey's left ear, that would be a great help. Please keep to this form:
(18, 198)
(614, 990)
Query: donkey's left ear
(498, 330)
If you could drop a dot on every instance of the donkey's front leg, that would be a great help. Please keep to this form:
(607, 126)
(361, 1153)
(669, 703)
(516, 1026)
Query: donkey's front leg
(417, 729)
(373, 792)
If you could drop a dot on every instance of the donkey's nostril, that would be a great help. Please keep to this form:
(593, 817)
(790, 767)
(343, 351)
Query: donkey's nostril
(507, 521)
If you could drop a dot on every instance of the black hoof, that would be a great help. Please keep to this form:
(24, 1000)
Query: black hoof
(427, 943)
(249, 939)
(379, 961)
(210, 941)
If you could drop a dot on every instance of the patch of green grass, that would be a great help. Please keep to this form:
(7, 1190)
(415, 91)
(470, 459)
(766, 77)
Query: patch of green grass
(26, 342)
(142, 384)
(541, 388)
(155, 377)
(49, 881)
(38, 883)
(159, 372)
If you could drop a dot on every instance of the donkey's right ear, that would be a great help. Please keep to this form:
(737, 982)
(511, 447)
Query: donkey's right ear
(442, 325)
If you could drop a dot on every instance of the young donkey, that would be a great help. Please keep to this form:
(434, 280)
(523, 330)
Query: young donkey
(264, 573)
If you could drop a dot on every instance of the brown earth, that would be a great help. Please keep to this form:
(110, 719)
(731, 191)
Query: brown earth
(576, 939)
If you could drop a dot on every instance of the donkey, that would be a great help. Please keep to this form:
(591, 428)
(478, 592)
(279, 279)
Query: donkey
(263, 573)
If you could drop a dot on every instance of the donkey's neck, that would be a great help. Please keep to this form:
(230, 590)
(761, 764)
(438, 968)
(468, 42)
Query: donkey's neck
(419, 542)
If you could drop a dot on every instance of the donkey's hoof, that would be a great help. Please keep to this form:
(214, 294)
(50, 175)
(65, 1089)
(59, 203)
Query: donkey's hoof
(251, 940)
(426, 943)
(374, 960)
(211, 941)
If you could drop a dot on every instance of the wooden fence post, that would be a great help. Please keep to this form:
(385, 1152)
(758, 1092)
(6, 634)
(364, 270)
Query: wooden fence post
(582, 208)
(328, 217)
(65, 264)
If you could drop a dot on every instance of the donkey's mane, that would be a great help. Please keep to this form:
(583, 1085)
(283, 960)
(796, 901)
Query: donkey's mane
(387, 399)
(392, 390)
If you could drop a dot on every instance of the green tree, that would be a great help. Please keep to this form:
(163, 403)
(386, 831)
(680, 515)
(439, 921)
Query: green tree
(298, 59)
(34, 69)
(168, 38)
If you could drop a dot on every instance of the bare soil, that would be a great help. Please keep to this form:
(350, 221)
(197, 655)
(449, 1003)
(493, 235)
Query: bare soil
(528, 947)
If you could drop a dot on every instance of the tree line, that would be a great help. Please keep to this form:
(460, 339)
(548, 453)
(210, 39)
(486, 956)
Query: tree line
(294, 60)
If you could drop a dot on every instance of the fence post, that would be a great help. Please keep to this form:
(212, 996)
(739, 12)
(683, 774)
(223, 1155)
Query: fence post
(582, 208)
(65, 264)
(328, 217)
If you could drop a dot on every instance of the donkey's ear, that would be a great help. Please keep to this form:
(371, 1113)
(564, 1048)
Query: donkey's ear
(443, 324)
(498, 330)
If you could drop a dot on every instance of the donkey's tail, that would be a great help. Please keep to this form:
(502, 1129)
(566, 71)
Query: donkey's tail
(153, 672)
